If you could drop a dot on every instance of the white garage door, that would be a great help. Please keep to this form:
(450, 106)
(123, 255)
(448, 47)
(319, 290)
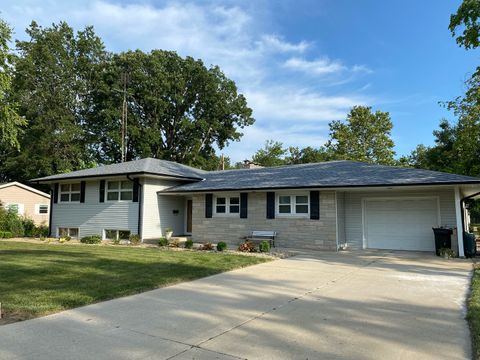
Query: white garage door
(401, 224)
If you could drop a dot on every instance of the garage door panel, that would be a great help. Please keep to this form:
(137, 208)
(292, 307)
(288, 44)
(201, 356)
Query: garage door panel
(401, 224)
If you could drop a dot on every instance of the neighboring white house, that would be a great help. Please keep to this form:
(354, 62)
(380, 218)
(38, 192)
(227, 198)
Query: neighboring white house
(316, 206)
(26, 201)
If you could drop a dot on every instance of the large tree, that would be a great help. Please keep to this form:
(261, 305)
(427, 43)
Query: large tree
(272, 154)
(52, 79)
(11, 123)
(365, 136)
(178, 109)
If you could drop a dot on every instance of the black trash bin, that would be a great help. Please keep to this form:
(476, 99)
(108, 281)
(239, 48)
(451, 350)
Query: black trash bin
(443, 239)
(469, 244)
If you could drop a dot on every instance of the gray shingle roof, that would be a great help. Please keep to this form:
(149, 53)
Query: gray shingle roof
(320, 175)
(147, 166)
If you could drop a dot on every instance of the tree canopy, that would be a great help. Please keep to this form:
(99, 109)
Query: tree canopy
(364, 136)
(61, 99)
(11, 124)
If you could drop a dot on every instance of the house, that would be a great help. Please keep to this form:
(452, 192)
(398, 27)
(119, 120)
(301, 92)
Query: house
(26, 201)
(312, 206)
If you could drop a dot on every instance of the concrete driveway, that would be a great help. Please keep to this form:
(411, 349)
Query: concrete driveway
(369, 305)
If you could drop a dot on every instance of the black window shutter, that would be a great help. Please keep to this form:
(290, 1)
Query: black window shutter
(136, 185)
(102, 191)
(270, 205)
(55, 193)
(82, 191)
(243, 205)
(208, 205)
(314, 205)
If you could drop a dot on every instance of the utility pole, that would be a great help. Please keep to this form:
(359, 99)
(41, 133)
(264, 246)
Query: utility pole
(124, 117)
(222, 162)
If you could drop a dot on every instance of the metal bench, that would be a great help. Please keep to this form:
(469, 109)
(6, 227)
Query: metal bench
(257, 236)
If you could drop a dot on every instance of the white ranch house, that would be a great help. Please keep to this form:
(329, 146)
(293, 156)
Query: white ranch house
(321, 206)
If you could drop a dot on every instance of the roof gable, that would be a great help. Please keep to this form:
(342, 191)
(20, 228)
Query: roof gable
(25, 187)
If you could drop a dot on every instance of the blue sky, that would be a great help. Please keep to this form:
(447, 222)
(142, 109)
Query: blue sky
(301, 64)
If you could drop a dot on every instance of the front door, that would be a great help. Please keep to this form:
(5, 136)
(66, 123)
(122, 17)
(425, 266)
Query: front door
(189, 216)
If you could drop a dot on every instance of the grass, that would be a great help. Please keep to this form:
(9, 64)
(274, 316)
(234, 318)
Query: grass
(38, 279)
(473, 313)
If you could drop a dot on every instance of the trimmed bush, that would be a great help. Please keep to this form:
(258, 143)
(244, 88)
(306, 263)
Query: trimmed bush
(221, 246)
(264, 246)
(247, 246)
(29, 228)
(134, 239)
(189, 244)
(92, 239)
(162, 241)
(41, 230)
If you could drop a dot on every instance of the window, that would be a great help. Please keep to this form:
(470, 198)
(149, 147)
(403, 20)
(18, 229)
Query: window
(41, 209)
(16, 208)
(64, 231)
(227, 205)
(117, 234)
(293, 205)
(70, 192)
(119, 190)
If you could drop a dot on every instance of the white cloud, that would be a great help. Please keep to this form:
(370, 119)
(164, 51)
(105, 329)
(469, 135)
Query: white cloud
(317, 67)
(276, 43)
(263, 63)
(323, 66)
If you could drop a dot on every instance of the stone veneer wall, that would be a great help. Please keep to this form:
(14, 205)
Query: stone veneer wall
(292, 232)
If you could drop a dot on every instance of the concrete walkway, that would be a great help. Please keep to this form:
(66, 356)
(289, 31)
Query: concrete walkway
(369, 305)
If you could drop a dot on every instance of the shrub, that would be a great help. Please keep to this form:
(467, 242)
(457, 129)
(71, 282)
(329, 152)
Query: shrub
(134, 239)
(247, 246)
(162, 241)
(221, 246)
(207, 246)
(5, 235)
(61, 240)
(42, 230)
(29, 228)
(174, 243)
(189, 244)
(10, 221)
(264, 246)
(92, 239)
(68, 238)
(167, 230)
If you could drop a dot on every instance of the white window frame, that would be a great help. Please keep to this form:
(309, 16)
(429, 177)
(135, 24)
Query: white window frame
(118, 190)
(117, 233)
(293, 205)
(68, 231)
(37, 209)
(69, 192)
(20, 207)
(227, 205)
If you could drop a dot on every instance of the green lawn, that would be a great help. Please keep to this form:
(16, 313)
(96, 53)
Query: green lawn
(37, 279)
(473, 314)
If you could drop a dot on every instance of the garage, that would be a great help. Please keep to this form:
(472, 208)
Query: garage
(400, 224)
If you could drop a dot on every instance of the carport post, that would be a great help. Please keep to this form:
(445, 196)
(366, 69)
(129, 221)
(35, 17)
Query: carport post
(458, 215)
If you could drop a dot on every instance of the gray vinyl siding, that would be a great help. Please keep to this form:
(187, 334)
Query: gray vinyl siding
(92, 216)
(158, 210)
(353, 209)
(340, 218)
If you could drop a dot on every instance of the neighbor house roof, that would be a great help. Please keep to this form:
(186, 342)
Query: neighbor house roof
(332, 174)
(144, 166)
(23, 186)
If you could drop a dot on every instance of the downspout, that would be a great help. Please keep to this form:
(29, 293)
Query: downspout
(139, 226)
